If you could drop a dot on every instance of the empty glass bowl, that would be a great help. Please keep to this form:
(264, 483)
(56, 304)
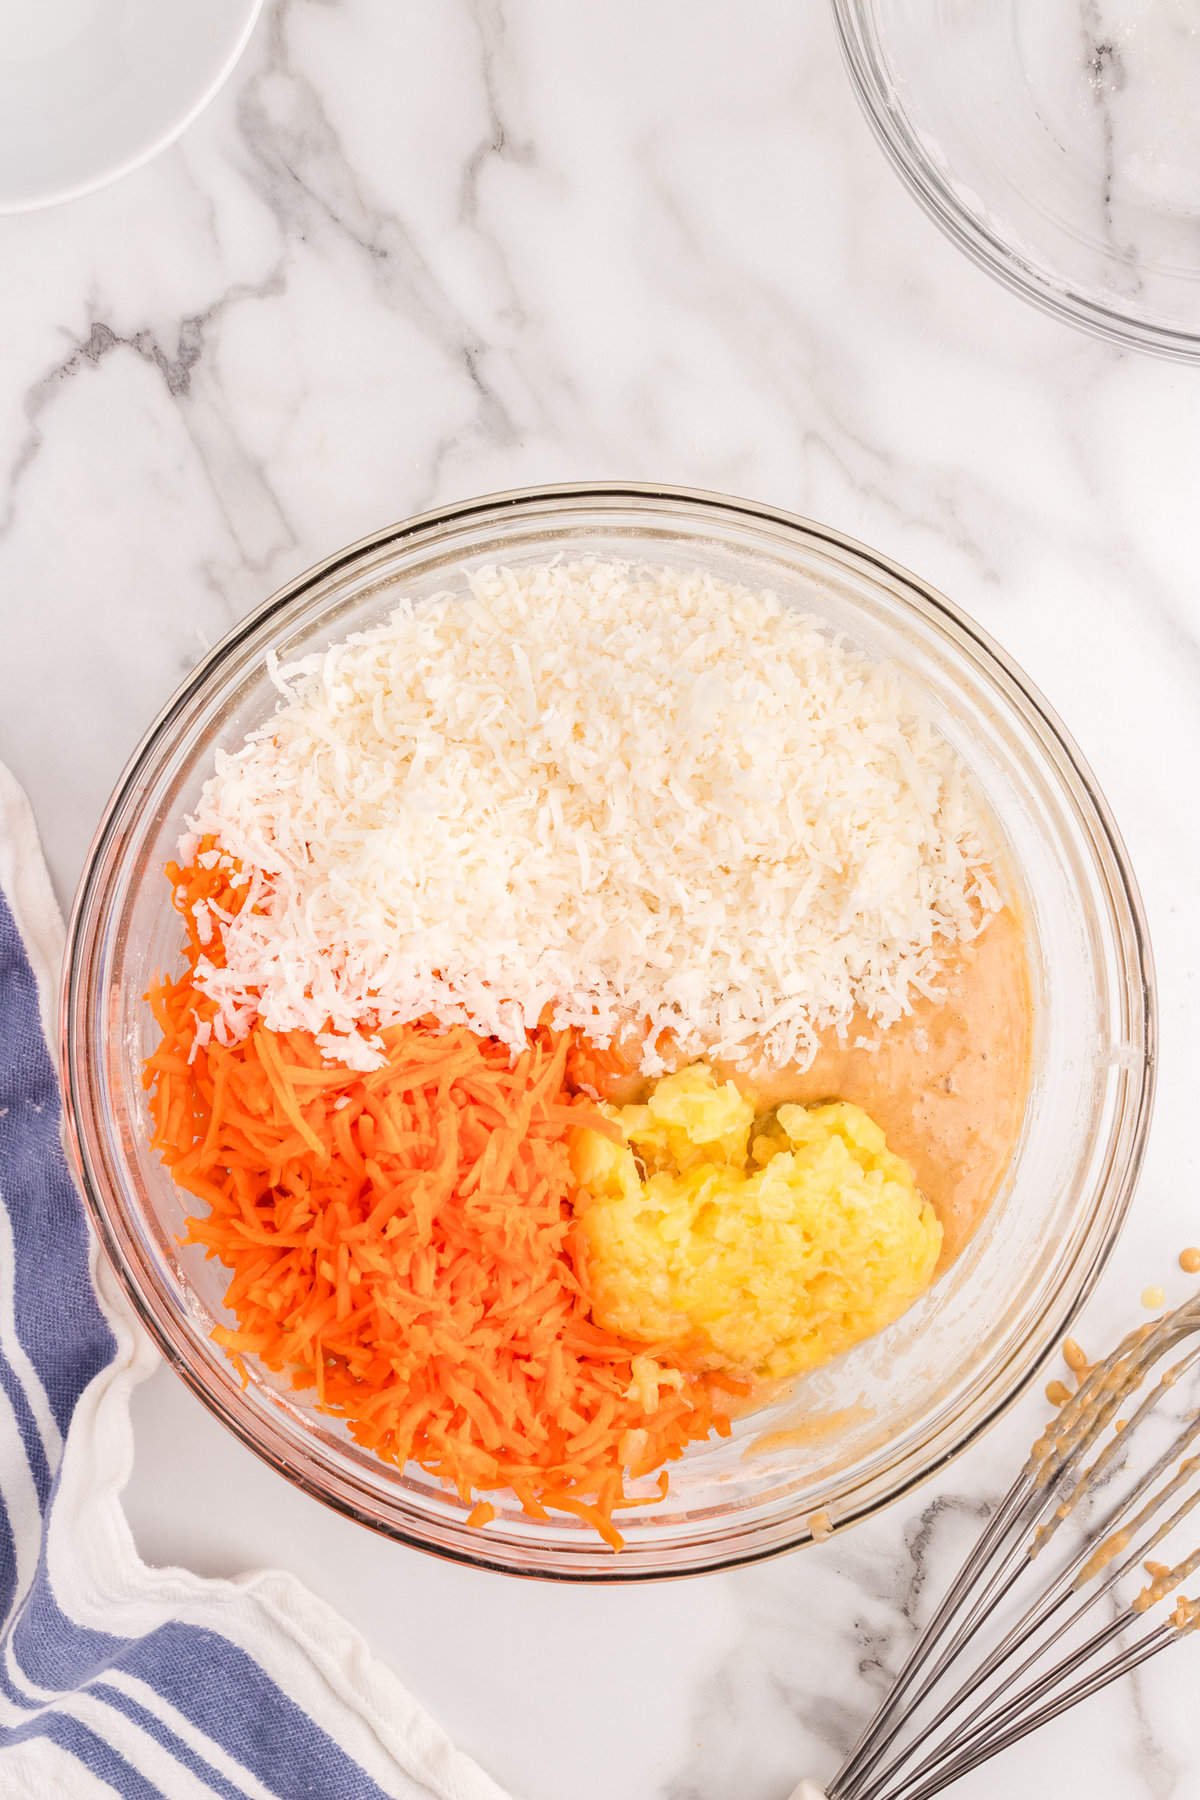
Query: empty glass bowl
(1058, 144)
(878, 1420)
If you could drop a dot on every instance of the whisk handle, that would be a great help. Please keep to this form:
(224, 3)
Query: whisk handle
(808, 1790)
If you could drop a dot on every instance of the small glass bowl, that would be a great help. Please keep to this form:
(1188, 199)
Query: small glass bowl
(876, 1421)
(1060, 150)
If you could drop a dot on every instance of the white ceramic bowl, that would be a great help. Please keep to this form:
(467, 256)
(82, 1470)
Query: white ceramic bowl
(89, 89)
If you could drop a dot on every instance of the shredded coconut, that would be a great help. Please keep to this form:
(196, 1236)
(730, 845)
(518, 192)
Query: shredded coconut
(634, 798)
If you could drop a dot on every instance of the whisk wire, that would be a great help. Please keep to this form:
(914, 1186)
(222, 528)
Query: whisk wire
(1009, 1676)
(876, 1736)
(988, 1717)
(1034, 1620)
(1147, 1647)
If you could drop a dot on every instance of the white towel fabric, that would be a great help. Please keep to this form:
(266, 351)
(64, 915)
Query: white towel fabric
(116, 1677)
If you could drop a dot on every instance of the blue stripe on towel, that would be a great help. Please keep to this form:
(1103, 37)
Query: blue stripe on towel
(92, 1751)
(53, 1651)
(8, 1582)
(224, 1693)
(27, 1425)
(167, 1739)
(58, 1317)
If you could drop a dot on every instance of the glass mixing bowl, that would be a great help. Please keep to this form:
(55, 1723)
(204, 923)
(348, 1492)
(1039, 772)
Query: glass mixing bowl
(880, 1419)
(1058, 144)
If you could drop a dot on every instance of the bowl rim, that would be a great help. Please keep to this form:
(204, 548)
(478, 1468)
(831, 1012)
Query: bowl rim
(111, 169)
(968, 231)
(1116, 1182)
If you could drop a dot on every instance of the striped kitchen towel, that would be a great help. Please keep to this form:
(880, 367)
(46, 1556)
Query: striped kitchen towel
(116, 1678)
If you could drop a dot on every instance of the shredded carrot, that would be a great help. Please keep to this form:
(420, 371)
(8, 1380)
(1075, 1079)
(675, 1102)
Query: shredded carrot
(401, 1242)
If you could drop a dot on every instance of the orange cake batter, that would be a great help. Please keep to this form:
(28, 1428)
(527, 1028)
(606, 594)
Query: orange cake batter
(947, 1083)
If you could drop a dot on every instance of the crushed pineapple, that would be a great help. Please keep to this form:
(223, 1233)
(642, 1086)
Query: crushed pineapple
(773, 1244)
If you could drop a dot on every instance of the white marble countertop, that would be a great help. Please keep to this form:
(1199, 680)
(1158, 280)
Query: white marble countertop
(414, 253)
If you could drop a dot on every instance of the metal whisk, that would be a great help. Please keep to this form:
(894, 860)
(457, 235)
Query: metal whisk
(1076, 1580)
